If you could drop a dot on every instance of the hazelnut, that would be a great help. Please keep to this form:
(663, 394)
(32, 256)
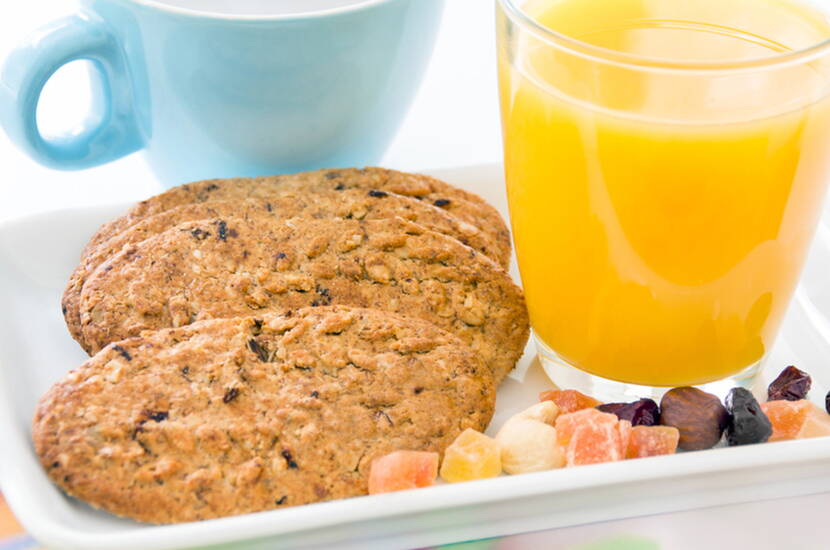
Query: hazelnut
(700, 417)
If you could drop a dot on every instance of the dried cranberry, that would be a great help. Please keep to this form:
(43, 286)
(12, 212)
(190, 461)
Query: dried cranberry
(747, 424)
(644, 412)
(791, 385)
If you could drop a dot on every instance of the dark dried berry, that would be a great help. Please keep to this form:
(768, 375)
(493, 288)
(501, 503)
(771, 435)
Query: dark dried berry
(122, 352)
(378, 194)
(700, 417)
(258, 349)
(230, 395)
(644, 412)
(159, 416)
(791, 385)
(289, 459)
(223, 230)
(748, 423)
(440, 203)
(325, 295)
(199, 234)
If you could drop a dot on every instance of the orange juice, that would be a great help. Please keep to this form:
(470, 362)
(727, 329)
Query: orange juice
(665, 175)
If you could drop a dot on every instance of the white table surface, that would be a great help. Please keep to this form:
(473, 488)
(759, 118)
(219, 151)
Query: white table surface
(454, 121)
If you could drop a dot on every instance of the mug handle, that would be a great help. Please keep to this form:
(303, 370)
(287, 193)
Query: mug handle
(30, 66)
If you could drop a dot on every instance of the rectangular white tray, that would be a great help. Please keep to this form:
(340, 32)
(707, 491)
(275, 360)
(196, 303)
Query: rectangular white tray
(36, 256)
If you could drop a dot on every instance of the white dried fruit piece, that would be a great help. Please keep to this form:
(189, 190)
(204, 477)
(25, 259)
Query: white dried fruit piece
(529, 445)
(528, 440)
(545, 411)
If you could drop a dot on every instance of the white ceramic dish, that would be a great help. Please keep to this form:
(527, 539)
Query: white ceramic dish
(36, 256)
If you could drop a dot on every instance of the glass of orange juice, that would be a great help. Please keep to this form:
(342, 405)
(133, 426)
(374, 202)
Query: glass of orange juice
(666, 163)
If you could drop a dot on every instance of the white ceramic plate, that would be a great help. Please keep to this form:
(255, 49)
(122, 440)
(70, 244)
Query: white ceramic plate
(36, 256)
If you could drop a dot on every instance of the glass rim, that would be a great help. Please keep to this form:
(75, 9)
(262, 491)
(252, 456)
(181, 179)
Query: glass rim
(607, 55)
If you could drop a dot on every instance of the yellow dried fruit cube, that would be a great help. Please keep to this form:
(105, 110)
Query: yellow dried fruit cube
(471, 456)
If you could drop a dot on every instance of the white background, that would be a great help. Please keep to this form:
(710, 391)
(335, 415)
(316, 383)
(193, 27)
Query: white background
(454, 121)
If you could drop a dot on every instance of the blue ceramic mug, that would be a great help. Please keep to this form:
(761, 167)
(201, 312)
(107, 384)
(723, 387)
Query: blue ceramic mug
(207, 92)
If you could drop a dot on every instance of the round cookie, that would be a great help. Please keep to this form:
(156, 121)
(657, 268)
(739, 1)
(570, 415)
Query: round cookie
(234, 416)
(464, 205)
(235, 267)
(347, 204)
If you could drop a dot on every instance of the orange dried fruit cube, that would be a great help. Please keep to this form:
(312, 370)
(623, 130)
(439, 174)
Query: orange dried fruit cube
(652, 441)
(796, 420)
(569, 401)
(566, 424)
(624, 429)
(402, 470)
(471, 456)
(817, 424)
(593, 443)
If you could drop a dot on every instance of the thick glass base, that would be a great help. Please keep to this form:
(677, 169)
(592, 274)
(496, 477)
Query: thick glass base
(566, 376)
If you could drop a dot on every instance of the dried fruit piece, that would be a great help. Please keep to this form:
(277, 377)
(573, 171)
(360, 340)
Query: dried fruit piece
(643, 412)
(652, 441)
(529, 445)
(402, 470)
(567, 424)
(817, 424)
(590, 436)
(471, 456)
(593, 443)
(569, 401)
(747, 424)
(796, 420)
(624, 429)
(786, 417)
(699, 417)
(791, 385)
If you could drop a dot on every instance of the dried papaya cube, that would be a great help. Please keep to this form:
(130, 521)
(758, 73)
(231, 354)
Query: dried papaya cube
(652, 441)
(817, 424)
(796, 419)
(593, 443)
(402, 470)
(786, 417)
(569, 401)
(624, 429)
(566, 424)
(471, 456)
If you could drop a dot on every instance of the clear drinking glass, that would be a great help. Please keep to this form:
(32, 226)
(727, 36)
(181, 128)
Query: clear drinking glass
(666, 164)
